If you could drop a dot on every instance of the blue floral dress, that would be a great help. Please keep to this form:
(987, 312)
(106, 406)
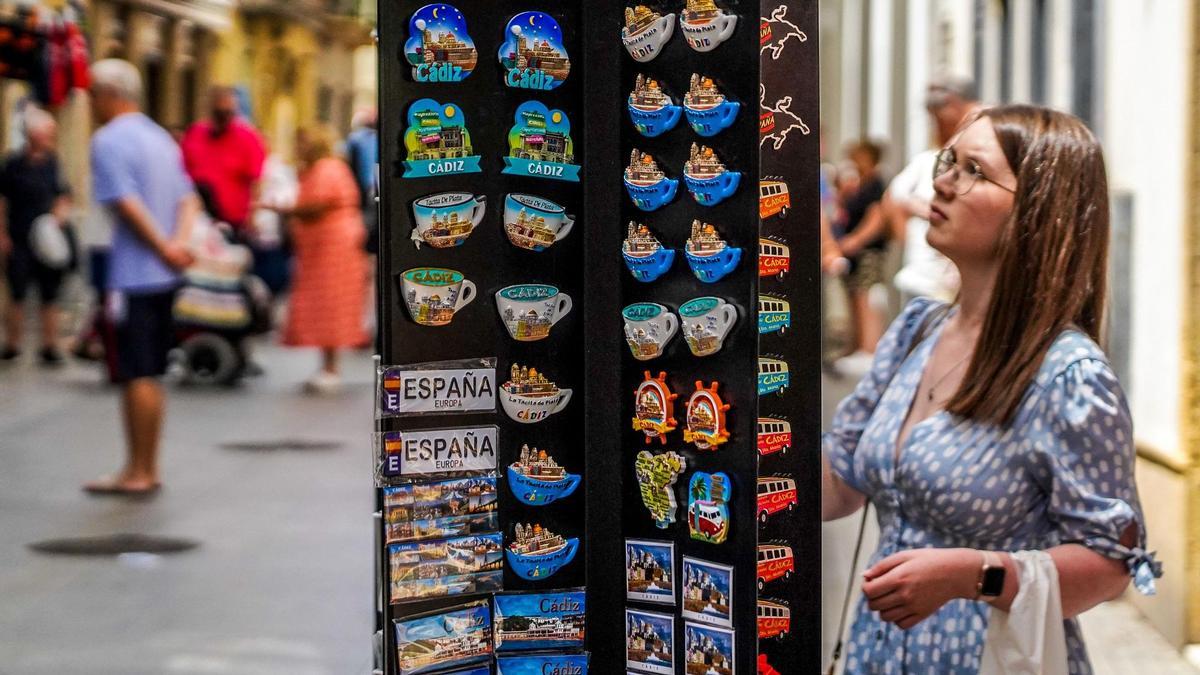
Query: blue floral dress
(1061, 473)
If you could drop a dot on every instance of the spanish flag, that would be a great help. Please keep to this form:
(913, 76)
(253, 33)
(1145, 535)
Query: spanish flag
(391, 381)
(392, 443)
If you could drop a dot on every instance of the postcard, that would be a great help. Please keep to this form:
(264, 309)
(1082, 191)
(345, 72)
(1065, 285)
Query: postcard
(446, 567)
(650, 571)
(706, 592)
(650, 642)
(542, 664)
(456, 636)
(708, 650)
(441, 509)
(528, 621)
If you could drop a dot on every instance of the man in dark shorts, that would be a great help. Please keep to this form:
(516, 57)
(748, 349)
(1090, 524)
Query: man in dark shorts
(31, 185)
(138, 174)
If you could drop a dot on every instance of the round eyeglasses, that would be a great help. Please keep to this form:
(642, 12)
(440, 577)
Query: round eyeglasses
(962, 178)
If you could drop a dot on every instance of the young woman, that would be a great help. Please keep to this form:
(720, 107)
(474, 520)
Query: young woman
(995, 424)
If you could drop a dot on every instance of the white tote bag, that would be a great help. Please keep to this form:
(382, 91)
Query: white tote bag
(1028, 639)
(49, 243)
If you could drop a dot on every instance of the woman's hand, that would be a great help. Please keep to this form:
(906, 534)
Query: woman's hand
(909, 586)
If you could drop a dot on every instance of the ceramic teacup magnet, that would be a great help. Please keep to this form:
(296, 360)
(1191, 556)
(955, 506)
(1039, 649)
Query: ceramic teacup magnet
(654, 408)
(645, 256)
(708, 255)
(649, 326)
(533, 55)
(529, 397)
(535, 223)
(433, 294)
(706, 321)
(705, 25)
(438, 48)
(437, 141)
(536, 479)
(540, 145)
(529, 311)
(656, 476)
(536, 553)
(707, 178)
(708, 111)
(651, 109)
(446, 219)
(647, 185)
(646, 32)
(706, 427)
(708, 506)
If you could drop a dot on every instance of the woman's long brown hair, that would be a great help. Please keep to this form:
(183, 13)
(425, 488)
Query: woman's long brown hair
(1053, 257)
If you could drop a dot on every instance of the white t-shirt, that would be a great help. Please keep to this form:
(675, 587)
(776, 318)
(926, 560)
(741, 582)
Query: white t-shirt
(925, 271)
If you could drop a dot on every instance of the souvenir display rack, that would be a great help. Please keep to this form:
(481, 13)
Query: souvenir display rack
(586, 350)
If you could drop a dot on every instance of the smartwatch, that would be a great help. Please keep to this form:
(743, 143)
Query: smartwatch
(991, 576)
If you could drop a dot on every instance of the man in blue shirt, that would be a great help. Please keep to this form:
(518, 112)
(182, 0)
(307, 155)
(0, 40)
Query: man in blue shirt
(138, 174)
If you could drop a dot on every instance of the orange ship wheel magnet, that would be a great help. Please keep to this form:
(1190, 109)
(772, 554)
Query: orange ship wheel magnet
(706, 418)
(654, 408)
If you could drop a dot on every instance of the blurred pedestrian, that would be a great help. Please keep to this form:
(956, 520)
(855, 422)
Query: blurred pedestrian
(362, 150)
(32, 186)
(138, 174)
(325, 309)
(995, 424)
(865, 252)
(224, 156)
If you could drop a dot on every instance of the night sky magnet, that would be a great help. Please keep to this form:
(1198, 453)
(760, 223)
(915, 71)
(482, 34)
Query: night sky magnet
(656, 476)
(706, 427)
(654, 408)
(535, 552)
(647, 185)
(437, 141)
(708, 255)
(533, 55)
(540, 145)
(708, 111)
(646, 32)
(651, 109)
(529, 397)
(438, 46)
(645, 256)
(705, 25)
(708, 506)
(536, 479)
(707, 178)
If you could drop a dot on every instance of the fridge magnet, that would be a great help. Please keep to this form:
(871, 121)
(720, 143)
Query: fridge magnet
(650, 571)
(467, 385)
(649, 642)
(534, 223)
(647, 185)
(645, 32)
(536, 553)
(656, 476)
(455, 636)
(774, 435)
(529, 311)
(645, 256)
(446, 219)
(442, 567)
(540, 621)
(707, 589)
(774, 619)
(533, 55)
(773, 376)
(473, 670)
(540, 145)
(774, 314)
(433, 295)
(708, 255)
(541, 664)
(775, 494)
(774, 258)
(651, 109)
(649, 326)
(440, 509)
(433, 451)
(707, 178)
(536, 479)
(438, 48)
(437, 141)
(708, 506)
(708, 111)
(529, 397)
(654, 408)
(705, 25)
(708, 650)
(774, 198)
(775, 561)
(706, 418)
(706, 321)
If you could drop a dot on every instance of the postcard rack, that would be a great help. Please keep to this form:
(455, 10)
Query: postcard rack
(560, 325)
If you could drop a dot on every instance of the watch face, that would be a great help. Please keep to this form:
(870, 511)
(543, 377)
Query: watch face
(993, 581)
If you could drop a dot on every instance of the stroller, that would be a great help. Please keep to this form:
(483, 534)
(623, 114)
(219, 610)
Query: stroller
(220, 304)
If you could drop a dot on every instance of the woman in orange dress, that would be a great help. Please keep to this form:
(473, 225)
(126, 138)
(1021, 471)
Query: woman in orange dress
(327, 233)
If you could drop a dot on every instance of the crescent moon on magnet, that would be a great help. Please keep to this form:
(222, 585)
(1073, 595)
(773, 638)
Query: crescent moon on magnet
(531, 22)
(435, 9)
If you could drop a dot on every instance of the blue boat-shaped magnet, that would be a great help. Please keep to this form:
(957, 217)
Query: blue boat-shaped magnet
(708, 111)
(645, 256)
(533, 55)
(437, 142)
(540, 145)
(438, 48)
(651, 109)
(537, 553)
(708, 255)
(536, 479)
(647, 185)
(707, 178)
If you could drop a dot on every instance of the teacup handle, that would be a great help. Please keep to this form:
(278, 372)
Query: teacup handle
(565, 395)
(727, 30)
(731, 111)
(673, 117)
(480, 210)
(564, 307)
(465, 295)
(672, 190)
(672, 326)
(728, 317)
(568, 223)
